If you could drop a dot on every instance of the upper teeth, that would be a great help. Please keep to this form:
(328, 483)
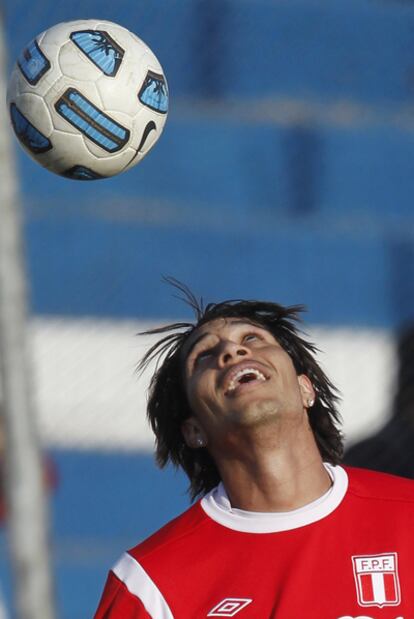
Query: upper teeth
(233, 383)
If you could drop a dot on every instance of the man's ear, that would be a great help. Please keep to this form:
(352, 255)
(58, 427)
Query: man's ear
(193, 433)
(307, 391)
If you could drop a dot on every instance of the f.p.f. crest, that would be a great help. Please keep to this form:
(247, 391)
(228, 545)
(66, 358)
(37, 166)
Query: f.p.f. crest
(376, 579)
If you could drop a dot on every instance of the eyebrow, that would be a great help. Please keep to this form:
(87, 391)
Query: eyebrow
(234, 321)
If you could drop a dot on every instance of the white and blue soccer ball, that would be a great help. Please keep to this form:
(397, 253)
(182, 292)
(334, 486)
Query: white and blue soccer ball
(87, 99)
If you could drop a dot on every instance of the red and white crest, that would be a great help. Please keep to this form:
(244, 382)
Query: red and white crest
(376, 579)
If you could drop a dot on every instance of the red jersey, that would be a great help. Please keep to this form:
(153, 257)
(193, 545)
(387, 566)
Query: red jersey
(347, 555)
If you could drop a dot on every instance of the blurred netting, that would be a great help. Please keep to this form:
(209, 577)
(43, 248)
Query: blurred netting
(285, 172)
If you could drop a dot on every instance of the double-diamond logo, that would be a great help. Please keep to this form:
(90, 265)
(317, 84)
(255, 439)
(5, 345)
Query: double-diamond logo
(229, 607)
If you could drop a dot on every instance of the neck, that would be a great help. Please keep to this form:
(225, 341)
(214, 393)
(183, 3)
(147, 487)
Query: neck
(276, 475)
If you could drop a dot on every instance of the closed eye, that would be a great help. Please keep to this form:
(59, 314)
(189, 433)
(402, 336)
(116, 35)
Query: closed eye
(202, 355)
(251, 337)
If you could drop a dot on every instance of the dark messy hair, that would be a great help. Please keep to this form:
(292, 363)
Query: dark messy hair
(168, 406)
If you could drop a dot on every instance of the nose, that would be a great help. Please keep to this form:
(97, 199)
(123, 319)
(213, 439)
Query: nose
(229, 351)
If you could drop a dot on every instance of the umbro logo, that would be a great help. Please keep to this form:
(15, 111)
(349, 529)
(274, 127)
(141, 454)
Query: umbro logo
(229, 607)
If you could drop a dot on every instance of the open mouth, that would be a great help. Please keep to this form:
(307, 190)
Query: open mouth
(244, 376)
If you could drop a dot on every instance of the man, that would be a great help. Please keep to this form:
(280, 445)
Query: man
(281, 530)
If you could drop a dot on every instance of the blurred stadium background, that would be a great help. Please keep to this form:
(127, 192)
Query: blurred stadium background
(285, 172)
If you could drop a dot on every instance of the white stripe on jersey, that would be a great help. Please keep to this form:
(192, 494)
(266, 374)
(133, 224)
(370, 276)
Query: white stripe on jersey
(378, 586)
(137, 581)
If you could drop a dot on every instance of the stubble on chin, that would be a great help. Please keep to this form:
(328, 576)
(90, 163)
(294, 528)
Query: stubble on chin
(255, 413)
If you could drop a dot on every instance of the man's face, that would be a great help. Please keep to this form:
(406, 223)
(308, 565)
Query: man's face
(237, 374)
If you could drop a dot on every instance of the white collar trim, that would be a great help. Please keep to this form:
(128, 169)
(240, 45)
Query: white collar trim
(217, 506)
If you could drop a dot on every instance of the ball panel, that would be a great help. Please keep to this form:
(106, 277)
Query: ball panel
(51, 42)
(57, 35)
(80, 173)
(71, 150)
(57, 91)
(154, 93)
(35, 109)
(74, 150)
(137, 158)
(67, 151)
(99, 47)
(32, 63)
(91, 121)
(75, 66)
(34, 141)
(117, 96)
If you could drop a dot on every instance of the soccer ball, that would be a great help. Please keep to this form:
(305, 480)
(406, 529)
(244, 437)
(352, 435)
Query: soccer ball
(87, 99)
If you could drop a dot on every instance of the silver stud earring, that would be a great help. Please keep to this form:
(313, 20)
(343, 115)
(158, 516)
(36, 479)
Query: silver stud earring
(311, 402)
(200, 442)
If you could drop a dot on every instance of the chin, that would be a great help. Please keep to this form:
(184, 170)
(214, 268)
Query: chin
(257, 413)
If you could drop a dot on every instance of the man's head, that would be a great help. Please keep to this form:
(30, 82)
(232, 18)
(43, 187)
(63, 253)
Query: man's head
(236, 377)
(239, 364)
